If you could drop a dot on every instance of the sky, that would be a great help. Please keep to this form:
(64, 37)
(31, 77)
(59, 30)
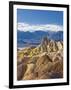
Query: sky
(34, 20)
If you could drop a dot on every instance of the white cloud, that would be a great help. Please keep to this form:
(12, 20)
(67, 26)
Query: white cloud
(43, 27)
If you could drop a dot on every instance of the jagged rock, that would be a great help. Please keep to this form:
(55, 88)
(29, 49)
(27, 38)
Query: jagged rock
(42, 62)
(44, 44)
(44, 69)
(58, 56)
(53, 46)
(60, 45)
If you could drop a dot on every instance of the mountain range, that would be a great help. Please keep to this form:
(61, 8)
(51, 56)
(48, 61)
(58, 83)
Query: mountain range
(34, 38)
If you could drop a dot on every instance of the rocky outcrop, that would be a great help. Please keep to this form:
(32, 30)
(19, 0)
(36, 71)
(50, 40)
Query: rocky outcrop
(44, 44)
(42, 62)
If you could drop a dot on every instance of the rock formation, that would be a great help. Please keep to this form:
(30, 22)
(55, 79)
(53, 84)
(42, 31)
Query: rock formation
(44, 61)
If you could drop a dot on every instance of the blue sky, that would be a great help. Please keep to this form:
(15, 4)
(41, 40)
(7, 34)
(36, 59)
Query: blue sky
(35, 18)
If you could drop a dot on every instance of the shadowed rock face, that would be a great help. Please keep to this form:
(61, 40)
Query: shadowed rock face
(21, 71)
(55, 75)
(42, 62)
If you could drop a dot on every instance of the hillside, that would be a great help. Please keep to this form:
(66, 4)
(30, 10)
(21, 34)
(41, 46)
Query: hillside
(45, 61)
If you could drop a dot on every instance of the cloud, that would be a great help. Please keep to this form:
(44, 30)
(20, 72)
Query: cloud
(42, 27)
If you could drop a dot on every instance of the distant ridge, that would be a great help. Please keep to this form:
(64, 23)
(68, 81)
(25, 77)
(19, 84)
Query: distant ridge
(39, 34)
(35, 37)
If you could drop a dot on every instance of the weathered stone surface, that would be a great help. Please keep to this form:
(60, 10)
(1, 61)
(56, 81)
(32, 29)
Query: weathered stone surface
(42, 62)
